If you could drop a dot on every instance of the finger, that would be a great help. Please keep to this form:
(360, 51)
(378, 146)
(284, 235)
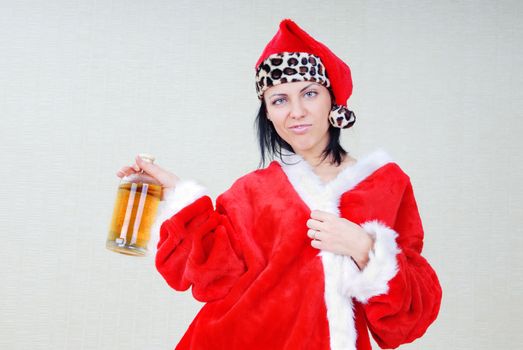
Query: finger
(321, 215)
(317, 244)
(149, 168)
(313, 234)
(314, 224)
(124, 171)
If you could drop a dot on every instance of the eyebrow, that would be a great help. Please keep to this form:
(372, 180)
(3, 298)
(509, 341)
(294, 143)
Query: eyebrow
(305, 88)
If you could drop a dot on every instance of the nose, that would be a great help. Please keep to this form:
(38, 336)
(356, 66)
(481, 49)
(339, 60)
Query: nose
(297, 110)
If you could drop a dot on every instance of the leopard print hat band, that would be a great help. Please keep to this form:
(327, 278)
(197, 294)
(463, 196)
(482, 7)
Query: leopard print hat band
(288, 67)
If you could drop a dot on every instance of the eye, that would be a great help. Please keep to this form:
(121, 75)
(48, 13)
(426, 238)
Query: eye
(278, 101)
(311, 93)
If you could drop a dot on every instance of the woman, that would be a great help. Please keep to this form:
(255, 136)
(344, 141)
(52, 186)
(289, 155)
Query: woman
(314, 249)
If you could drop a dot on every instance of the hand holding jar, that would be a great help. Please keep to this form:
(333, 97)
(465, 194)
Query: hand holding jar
(139, 193)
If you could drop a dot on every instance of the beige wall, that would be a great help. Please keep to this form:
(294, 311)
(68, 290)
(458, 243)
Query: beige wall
(86, 85)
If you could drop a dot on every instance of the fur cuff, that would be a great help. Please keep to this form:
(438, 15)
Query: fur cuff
(381, 268)
(174, 200)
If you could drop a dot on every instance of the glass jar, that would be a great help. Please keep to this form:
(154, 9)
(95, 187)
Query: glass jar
(137, 200)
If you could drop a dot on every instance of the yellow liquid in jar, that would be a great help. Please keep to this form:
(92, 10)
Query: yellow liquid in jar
(134, 213)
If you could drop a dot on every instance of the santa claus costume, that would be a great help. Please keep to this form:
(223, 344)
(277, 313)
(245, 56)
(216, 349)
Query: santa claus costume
(248, 256)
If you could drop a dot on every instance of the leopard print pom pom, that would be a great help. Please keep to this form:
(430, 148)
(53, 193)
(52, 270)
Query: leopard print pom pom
(341, 117)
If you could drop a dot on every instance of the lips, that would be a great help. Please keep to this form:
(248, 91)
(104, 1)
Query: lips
(300, 128)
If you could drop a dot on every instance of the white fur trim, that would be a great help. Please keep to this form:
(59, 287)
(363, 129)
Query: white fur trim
(326, 196)
(174, 200)
(380, 269)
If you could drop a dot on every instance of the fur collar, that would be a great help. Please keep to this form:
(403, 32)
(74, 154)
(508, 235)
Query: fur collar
(300, 173)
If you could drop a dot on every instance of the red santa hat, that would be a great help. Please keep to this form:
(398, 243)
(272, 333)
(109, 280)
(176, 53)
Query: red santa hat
(293, 55)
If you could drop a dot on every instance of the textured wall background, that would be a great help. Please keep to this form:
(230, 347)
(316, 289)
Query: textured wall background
(86, 85)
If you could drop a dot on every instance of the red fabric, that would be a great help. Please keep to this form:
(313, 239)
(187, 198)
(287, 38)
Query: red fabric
(251, 261)
(291, 38)
(413, 300)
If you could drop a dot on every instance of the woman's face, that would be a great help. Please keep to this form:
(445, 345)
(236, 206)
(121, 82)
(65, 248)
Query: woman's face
(299, 112)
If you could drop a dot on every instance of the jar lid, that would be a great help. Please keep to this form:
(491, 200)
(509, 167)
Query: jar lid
(147, 157)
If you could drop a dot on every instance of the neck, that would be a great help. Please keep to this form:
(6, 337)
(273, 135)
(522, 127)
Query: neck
(314, 156)
(316, 161)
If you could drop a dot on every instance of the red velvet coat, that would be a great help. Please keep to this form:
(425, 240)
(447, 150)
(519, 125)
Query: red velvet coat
(265, 287)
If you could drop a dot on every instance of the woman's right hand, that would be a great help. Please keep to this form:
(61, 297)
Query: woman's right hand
(166, 178)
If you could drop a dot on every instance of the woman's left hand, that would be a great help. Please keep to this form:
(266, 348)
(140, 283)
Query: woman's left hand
(340, 236)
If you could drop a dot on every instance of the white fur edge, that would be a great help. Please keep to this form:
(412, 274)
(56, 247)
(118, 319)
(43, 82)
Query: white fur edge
(380, 269)
(299, 170)
(174, 200)
(326, 197)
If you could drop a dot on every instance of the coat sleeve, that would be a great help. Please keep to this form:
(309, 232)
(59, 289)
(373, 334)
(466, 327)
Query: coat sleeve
(198, 245)
(398, 288)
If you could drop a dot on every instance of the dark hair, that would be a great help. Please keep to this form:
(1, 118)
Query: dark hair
(271, 144)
